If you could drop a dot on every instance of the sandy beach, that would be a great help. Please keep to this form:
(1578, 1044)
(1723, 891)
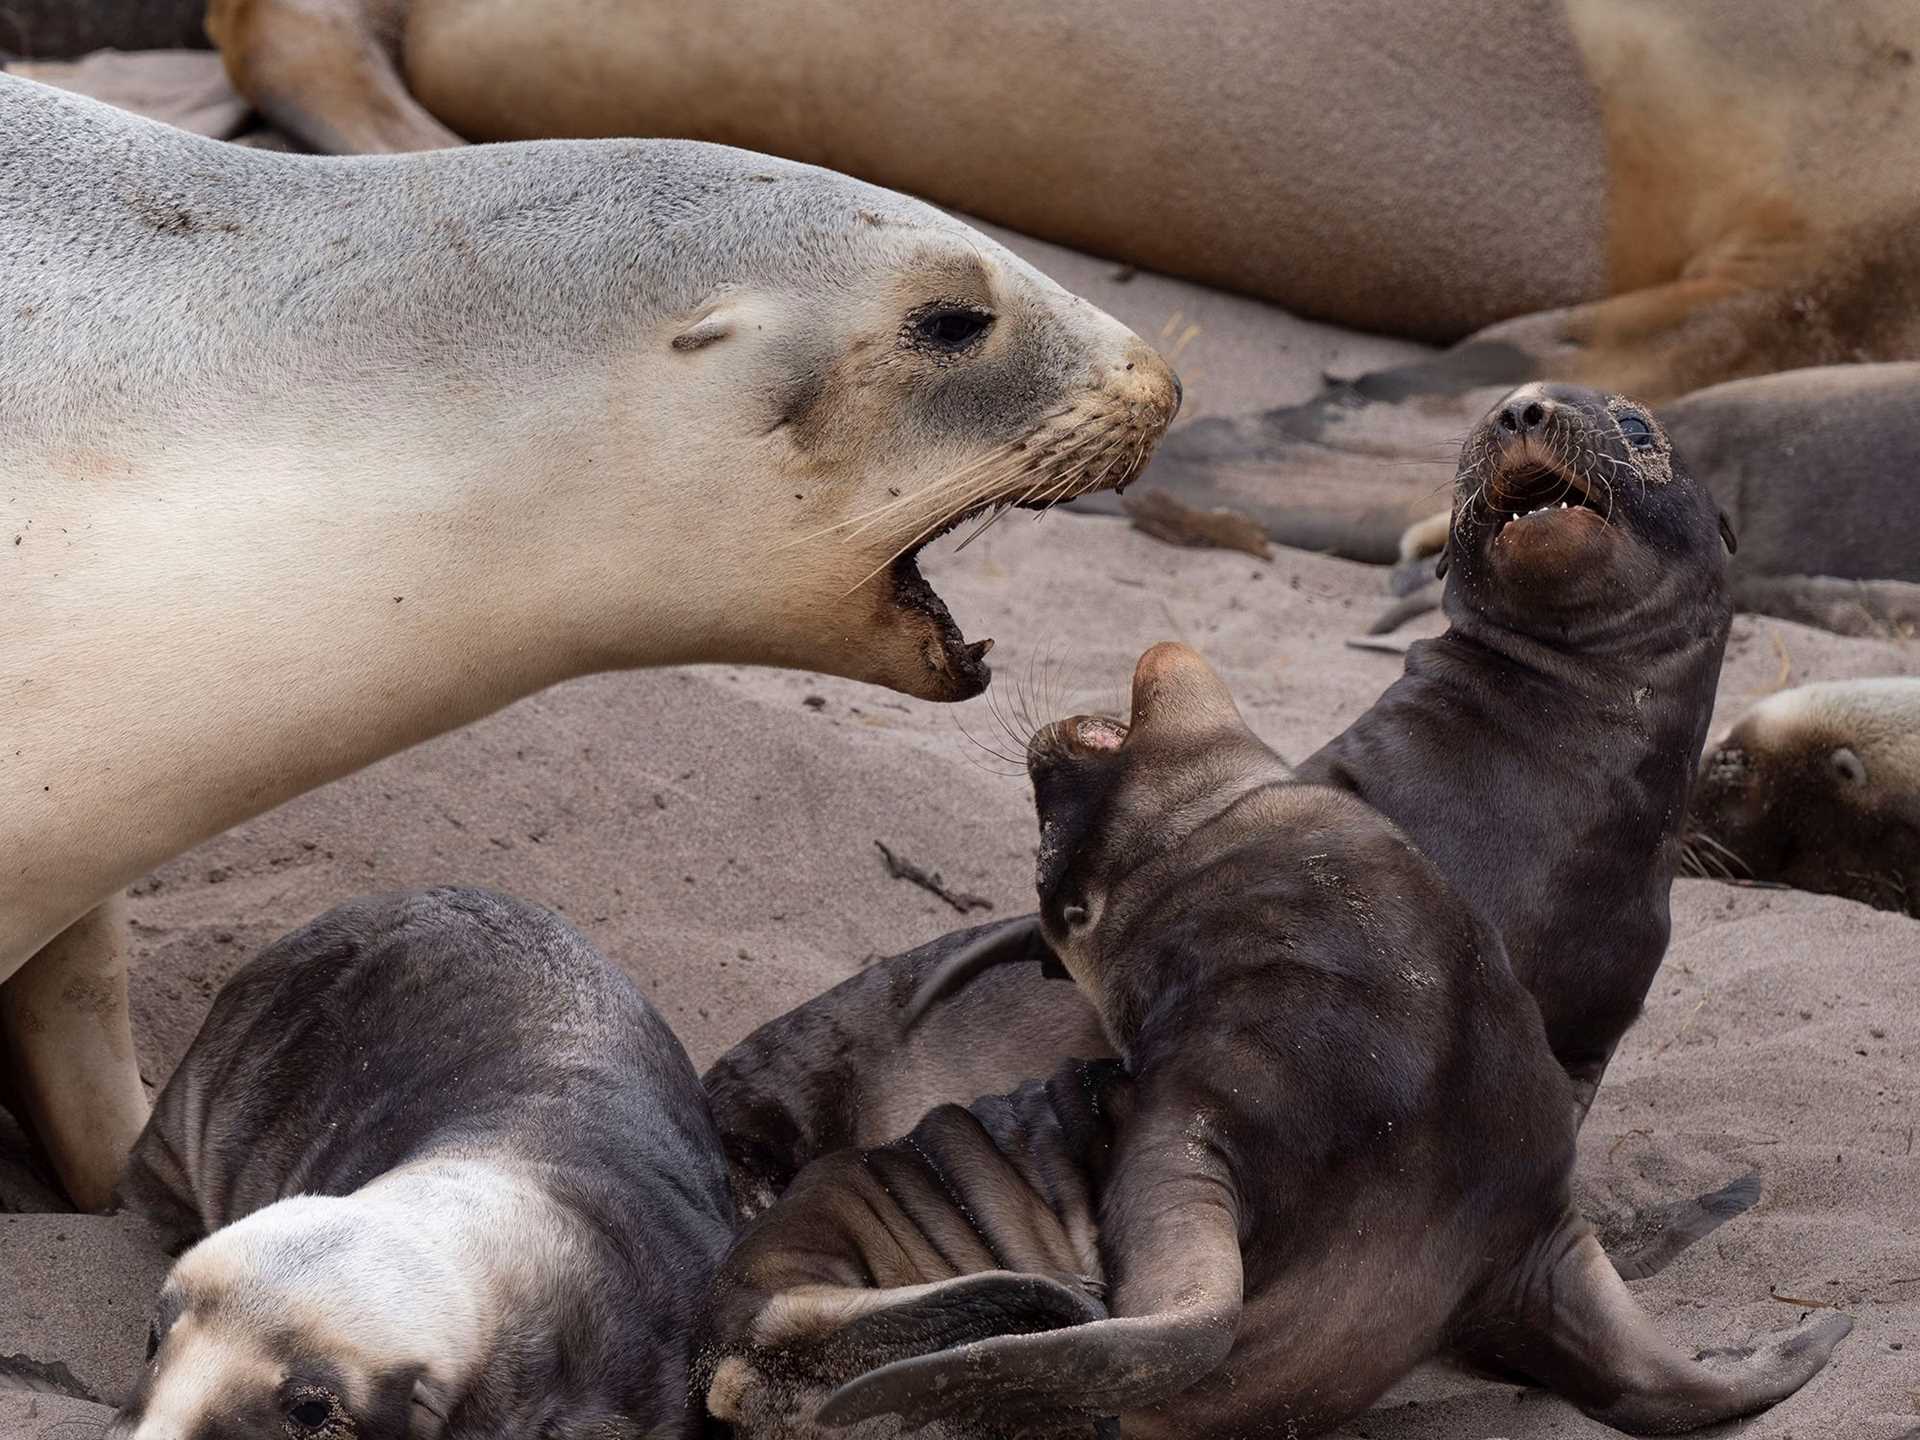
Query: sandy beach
(715, 832)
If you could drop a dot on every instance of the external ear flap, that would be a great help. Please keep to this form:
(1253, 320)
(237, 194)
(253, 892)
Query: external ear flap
(1175, 1244)
(1727, 536)
(1007, 943)
(703, 332)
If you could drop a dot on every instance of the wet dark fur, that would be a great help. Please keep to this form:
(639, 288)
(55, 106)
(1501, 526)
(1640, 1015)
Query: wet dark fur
(460, 1020)
(1338, 1090)
(1542, 759)
(1530, 771)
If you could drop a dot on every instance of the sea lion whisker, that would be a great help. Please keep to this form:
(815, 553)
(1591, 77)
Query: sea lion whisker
(1704, 838)
(932, 489)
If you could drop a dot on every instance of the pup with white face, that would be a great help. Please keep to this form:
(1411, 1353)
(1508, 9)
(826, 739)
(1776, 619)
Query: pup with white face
(374, 447)
(456, 1177)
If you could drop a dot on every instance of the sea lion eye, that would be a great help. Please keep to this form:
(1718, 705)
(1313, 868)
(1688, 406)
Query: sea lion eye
(153, 1340)
(1638, 432)
(951, 327)
(309, 1415)
(1847, 766)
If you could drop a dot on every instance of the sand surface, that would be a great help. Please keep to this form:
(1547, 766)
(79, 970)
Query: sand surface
(713, 830)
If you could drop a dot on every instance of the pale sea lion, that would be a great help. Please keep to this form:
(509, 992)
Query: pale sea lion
(310, 459)
(1340, 1146)
(455, 1177)
(1540, 753)
(1818, 788)
(1669, 193)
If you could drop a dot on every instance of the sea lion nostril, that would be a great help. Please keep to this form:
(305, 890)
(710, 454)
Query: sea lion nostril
(1518, 419)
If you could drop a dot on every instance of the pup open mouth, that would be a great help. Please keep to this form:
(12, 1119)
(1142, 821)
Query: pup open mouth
(1539, 492)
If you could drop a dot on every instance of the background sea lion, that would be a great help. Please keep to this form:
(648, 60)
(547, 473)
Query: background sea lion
(1339, 1093)
(1539, 752)
(311, 459)
(450, 1165)
(1819, 788)
(1683, 193)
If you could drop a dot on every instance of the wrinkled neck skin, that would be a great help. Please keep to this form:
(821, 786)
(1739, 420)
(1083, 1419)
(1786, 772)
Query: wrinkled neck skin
(1650, 663)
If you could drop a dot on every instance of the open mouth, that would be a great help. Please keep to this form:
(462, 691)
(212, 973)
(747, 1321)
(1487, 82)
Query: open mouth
(1537, 493)
(1067, 473)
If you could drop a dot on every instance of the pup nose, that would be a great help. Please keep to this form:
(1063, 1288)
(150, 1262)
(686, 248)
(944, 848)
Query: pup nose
(1525, 414)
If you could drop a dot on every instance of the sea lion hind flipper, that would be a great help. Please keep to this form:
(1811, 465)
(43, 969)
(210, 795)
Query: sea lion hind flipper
(1579, 1331)
(1175, 1238)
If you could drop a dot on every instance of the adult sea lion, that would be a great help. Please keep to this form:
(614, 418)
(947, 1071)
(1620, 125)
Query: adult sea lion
(1666, 193)
(310, 459)
(1818, 788)
(455, 1177)
(1540, 753)
(1340, 1146)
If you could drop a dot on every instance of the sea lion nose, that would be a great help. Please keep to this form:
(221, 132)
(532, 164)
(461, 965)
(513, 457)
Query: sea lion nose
(1526, 414)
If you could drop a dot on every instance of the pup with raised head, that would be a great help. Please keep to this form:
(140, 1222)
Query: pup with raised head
(374, 447)
(455, 1177)
(1818, 788)
(1343, 1147)
(1539, 753)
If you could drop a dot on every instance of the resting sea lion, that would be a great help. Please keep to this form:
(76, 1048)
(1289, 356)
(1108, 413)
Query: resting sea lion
(310, 459)
(1343, 1147)
(1671, 194)
(1817, 788)
(456, 1178)
(1540, 753)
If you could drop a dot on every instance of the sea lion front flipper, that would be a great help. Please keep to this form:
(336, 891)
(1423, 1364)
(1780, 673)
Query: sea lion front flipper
(1672, 1228)
(1173, 1244)
(327, 74)
(1408, 607)
(1577, 1329)
(1011, 942)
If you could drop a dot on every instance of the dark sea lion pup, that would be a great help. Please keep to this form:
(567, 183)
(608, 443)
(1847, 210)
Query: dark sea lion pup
(1818, 788)
(1540, 753)
(457, 1180)
(1341, 1146)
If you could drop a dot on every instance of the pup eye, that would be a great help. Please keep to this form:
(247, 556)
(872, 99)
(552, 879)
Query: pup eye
(308, 1415)
(951, 327)
(1635, 427)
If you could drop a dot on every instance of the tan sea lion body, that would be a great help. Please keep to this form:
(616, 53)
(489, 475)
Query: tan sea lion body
(1673, 193)
(307, 460)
